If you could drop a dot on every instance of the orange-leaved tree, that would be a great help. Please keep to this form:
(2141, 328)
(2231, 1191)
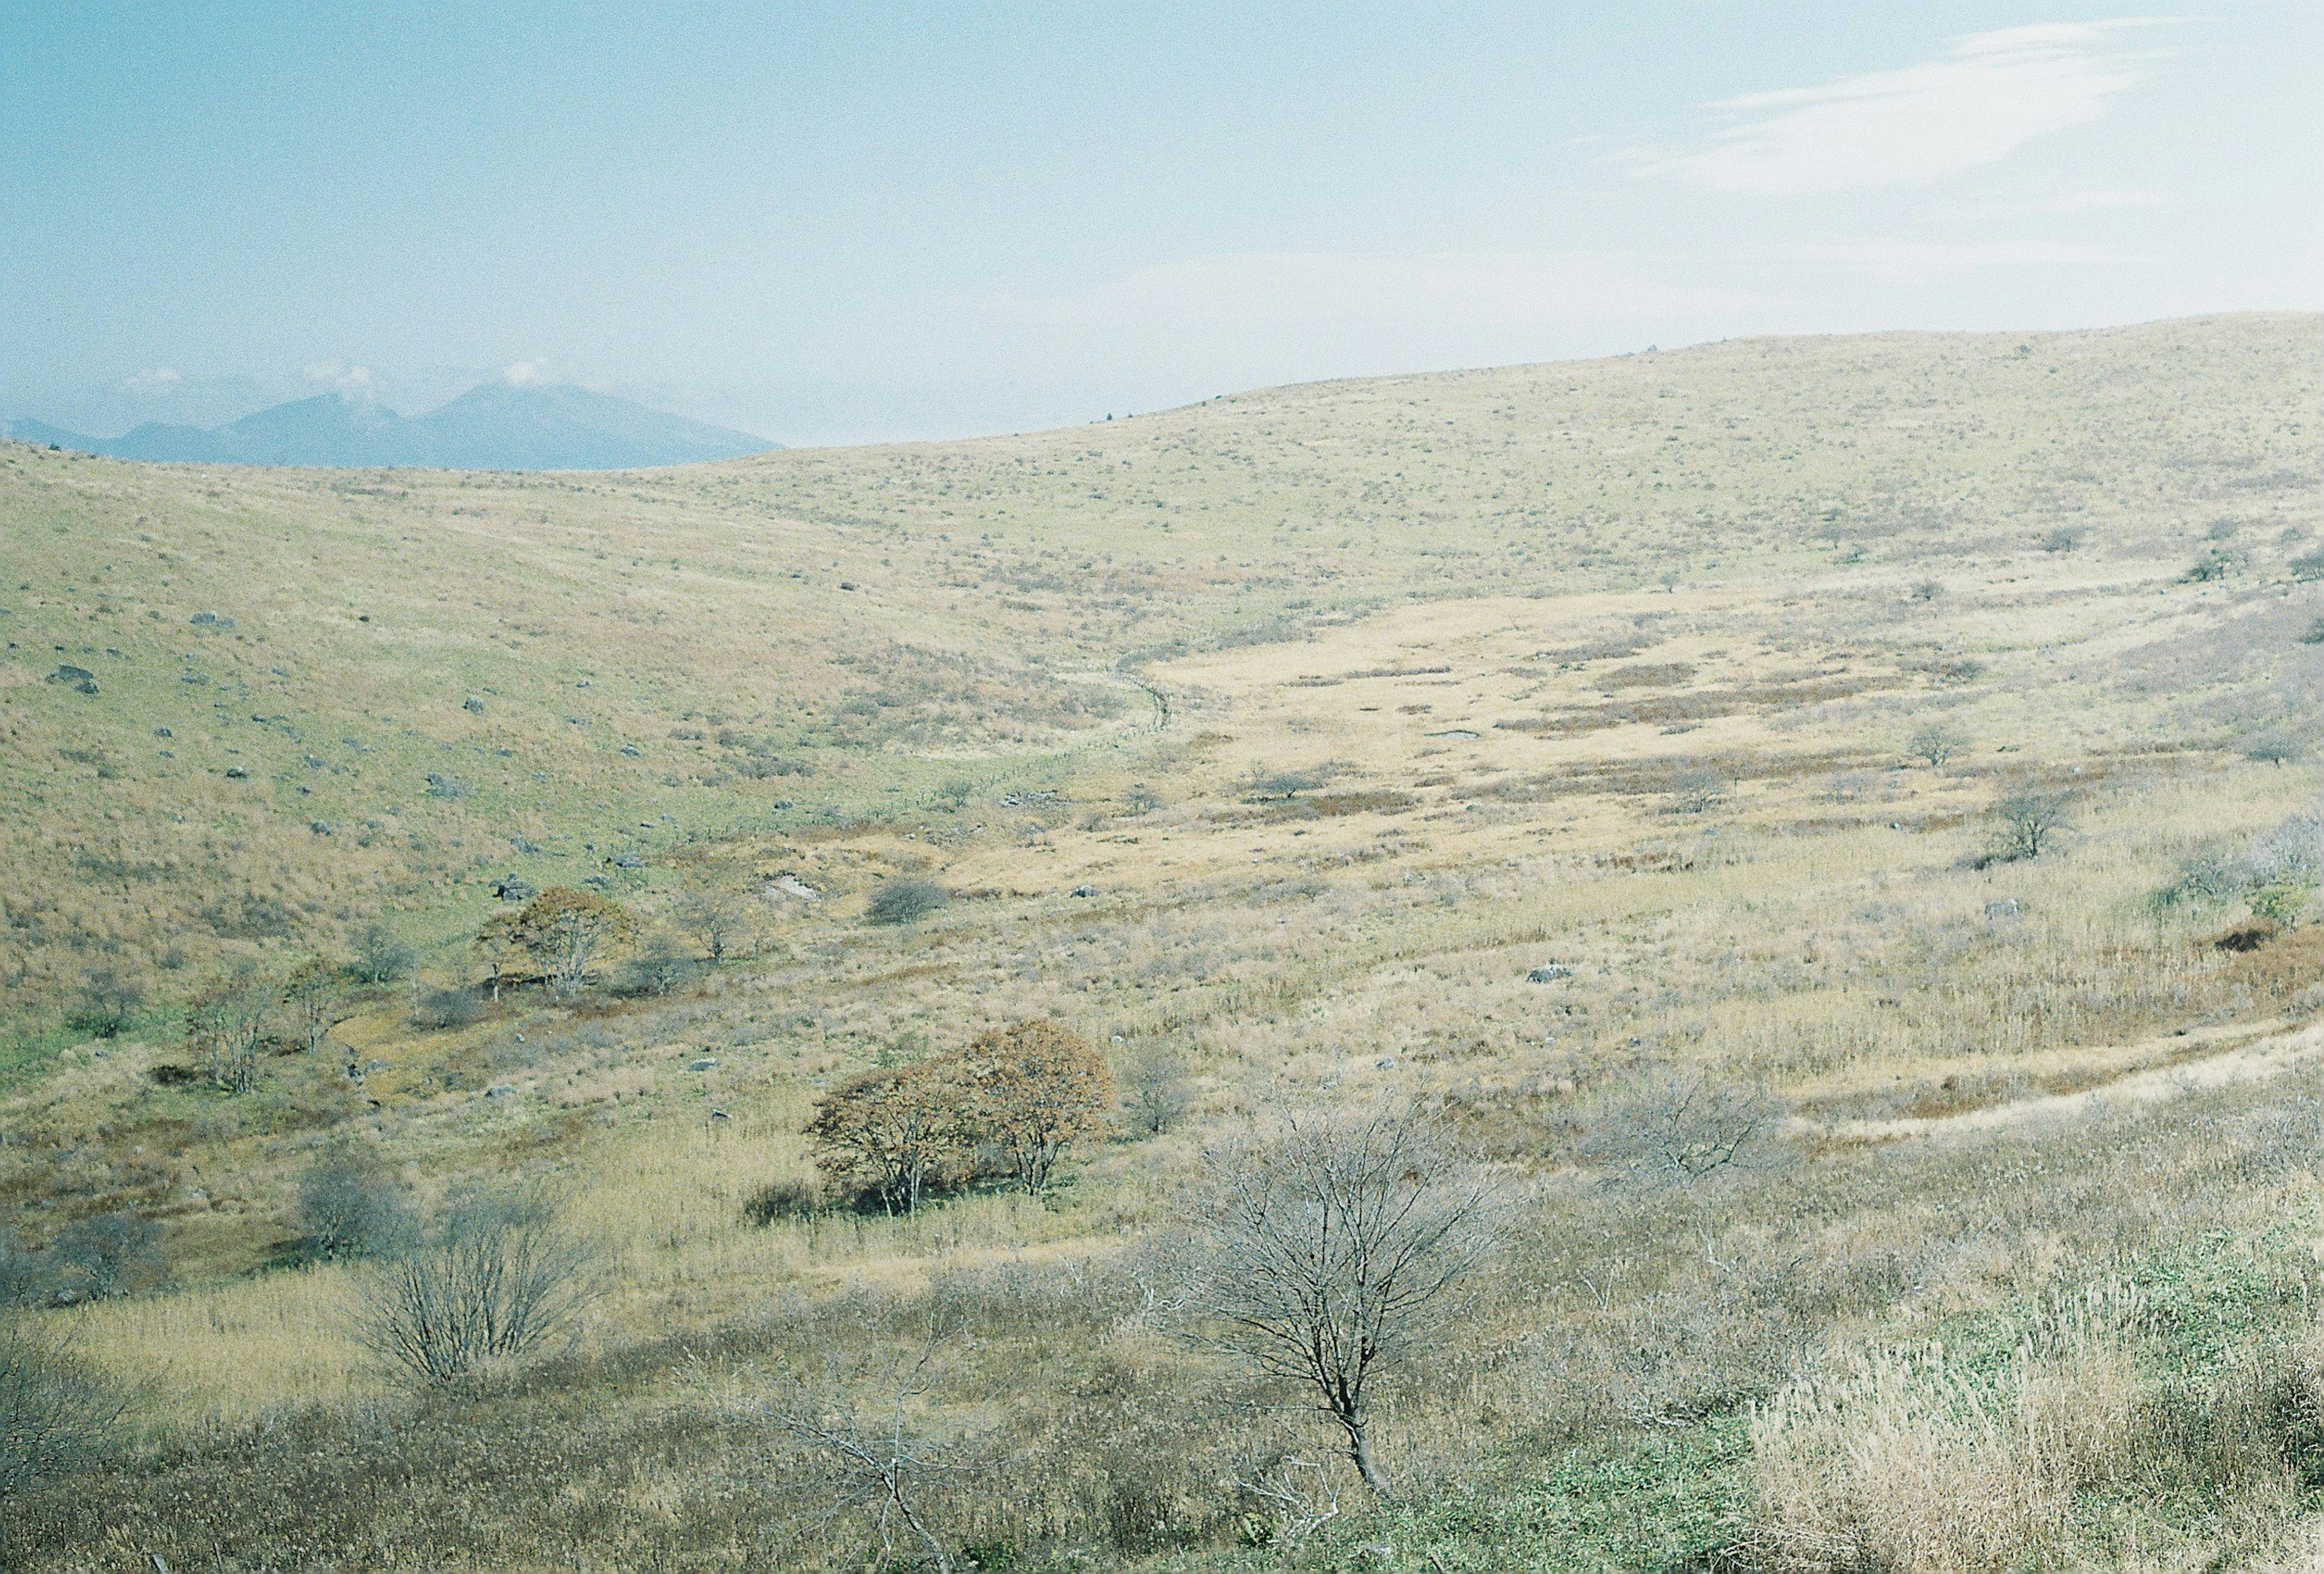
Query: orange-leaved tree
(898, 1130)
(1033, 1089)
(568, 931)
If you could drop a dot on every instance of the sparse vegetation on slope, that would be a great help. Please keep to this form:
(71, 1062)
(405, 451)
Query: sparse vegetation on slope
(1814, 971)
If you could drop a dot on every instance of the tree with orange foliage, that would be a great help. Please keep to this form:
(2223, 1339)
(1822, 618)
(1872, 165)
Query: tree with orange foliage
(1034, 1089)
(568, 931)
(897, 1130)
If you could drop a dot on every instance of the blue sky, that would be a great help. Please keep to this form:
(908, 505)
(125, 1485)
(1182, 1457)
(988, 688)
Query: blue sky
(840, 223)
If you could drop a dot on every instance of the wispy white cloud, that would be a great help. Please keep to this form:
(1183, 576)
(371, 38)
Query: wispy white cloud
(525, 374)
(1982, 100)
(153, 382)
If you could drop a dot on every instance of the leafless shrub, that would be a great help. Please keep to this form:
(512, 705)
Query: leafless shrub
(380, 958)
(1698, 789)
(1937, 744)
(1296, 1495)
(440, 1009)
(351, 1205)
(881, 1467)
(103, 1256)
(719, 918)
(659, 966)
(55, 1412)
(1336, 1249)
(2028, 821)
(781, 1200)
(107, 998)
(229, 1020)
(902, 901)
(1156, 1093)
(497, 1277)
(1677, 1127)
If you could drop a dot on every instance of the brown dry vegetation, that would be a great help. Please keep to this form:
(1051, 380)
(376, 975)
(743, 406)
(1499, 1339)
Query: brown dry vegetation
(1405, 690)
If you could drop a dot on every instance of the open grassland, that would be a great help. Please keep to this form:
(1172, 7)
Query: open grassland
(1502, 741)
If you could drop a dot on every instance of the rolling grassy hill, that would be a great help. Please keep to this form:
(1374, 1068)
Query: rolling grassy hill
(1286, 735)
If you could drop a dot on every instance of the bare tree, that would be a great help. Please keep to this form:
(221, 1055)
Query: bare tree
(1936, 743)
(499, 1276)
(1335, 1249)
(2031, 819)
(380, 956)
(716, 917)
(882, 1466)
(1675, 1127)
(351, 1205)
(54, 1412)
(107, 998)
(228, 1020)
(1157, 1096)
(316, 999)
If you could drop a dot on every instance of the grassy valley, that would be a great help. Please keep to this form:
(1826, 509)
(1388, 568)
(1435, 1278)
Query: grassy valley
(1576, 753)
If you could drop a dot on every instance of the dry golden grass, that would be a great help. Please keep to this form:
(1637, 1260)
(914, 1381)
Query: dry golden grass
(1680, 772)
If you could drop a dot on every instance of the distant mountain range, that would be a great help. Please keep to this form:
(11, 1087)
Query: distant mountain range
(494, 426)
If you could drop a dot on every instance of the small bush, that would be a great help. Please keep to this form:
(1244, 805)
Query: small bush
(103, 1256)
(1698, 789)
(437, 1009)
(380, 958)
(498, 1277)
(351, 1205)
(2307, 567)
(906, 902)
(2216, 564)
(1157, 1094)
(107, 998)
(660, 966)
(1672, 1128)
(1936, 743)
(782, 1200)
(55, 1412)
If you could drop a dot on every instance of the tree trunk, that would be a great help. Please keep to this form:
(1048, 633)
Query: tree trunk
(1360, 1450)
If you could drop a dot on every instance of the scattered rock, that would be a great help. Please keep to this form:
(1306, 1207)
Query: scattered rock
(236, 774)
(163, 732)
(499, 1090)
(322, 828)
(2005, 907)
(707, 1063)
(1548, 973)
(720, 1115)
(524, 844)
(514, 888)
(210, 620)
(1084, 890)
(442, 786)
(474, 704)
(1384, 1063)
(632, 751)
(626, 861)
(79, 678)
(792, 885)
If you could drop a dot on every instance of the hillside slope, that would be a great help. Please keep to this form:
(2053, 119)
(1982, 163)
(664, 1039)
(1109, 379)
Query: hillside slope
(1605, 760)
(861, 625)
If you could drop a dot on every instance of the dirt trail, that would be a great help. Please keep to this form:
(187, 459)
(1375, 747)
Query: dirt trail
(2276, 1049)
